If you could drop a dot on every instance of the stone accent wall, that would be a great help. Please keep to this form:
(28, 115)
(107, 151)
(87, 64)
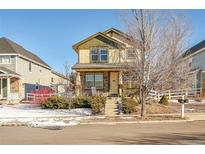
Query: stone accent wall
(82, 78)
(106, 82)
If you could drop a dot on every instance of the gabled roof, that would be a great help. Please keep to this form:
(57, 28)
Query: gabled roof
(9, 47)
(75, 46)
(123, 36)
(60, 75)
(116, 31)
(195, 49)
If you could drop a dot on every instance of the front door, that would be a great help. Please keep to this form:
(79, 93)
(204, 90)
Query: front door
(114, 82)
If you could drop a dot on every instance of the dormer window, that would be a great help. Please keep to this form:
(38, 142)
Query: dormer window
(99, 55)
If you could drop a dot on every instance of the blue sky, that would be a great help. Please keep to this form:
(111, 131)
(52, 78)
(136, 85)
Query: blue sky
(51, 33)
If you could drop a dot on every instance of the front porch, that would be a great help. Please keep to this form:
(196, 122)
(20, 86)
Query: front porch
(106, 82)
(10, 85)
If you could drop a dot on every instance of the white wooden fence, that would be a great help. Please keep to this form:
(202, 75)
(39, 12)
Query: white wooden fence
(36, 98)
(175, 94)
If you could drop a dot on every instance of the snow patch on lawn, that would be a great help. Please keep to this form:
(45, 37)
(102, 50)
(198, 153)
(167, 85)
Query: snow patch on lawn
(34, 116)
(28, 110)
(47, 123)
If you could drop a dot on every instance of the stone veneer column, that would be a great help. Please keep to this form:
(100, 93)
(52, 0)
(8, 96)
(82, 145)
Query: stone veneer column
(78, 84)
(106, 76)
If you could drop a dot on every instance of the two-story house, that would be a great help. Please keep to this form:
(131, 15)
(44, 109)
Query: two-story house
(21, 71)
(100, 59)
(195, 56)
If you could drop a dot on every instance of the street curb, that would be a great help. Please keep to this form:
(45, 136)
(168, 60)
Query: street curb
(134, 122)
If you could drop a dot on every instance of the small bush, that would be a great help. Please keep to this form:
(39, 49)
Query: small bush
(97, 104)
(164, 100)
(55, 102)
(81, 102)
(129, 105)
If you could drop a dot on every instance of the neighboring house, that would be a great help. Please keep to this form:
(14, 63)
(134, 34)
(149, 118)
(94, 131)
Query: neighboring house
(195, 57)
(21, 71)
(59, 82)
(100, 59)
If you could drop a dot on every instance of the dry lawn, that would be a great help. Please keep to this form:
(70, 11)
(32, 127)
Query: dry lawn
(156, 108)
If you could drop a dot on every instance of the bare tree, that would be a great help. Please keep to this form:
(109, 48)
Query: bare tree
(158, 39)
(70, 75)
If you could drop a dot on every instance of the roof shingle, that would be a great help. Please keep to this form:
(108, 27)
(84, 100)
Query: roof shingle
(9, 47)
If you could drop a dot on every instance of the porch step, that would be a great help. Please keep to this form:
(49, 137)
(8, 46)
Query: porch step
(111, 106)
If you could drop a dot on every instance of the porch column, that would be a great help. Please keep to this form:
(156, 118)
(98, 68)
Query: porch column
(78, 84)
(8, 88)
(120, 83)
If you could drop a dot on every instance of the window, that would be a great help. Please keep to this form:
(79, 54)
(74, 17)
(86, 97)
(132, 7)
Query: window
(29, 66)
(12, 59)
(52, 79)
(5, 59)
(130, 53)
(103, 55)
(89, 80)
(99, 55)
(94, 80)
(94, 55)
(99, 81)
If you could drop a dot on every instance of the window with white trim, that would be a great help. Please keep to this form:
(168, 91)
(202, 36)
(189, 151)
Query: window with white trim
(99, 55)
(5, 59)
(99, 80)
(94, 55)
(103, 55)
(89, 80)
(94, 80)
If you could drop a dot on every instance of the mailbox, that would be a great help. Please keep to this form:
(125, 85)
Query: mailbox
(183, 101)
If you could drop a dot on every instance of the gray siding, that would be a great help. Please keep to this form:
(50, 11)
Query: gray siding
(38, 73)
(198, 60)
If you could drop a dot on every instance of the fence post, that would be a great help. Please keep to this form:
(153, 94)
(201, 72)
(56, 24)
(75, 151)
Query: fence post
(158, 96)
(155, 94)
(169, 94)
(186, 93)
(182, 108)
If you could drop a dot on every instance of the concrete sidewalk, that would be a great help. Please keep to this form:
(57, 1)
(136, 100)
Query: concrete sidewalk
(195, 116)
